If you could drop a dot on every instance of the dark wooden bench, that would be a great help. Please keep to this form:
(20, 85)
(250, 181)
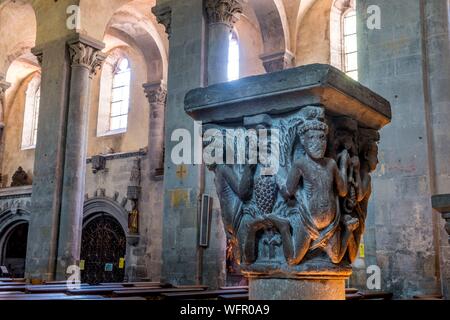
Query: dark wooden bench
(376, 295)
(134, 284)
(105, 290)
(428, 297)
(234, 288)
(351, 290)
(13, 288)
(239, 296)
(211, 294)
(51, 288)
(148, 293)
(12, 280)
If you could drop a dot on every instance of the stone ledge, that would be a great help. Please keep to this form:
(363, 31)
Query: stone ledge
(288, 90)
(16, 192)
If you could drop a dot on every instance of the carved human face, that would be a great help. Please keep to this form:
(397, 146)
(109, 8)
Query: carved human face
(372, 156)
(315, 143)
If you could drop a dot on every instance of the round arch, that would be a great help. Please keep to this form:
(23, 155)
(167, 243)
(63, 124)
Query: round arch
(14, 237)
(96, 207)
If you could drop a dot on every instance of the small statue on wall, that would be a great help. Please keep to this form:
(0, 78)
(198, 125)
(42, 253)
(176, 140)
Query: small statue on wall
(20, 178)
(133, 194)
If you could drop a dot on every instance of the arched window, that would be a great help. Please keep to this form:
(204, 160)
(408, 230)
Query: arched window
(114, 94)
(350, 44)
(31, 115)
(233, 57)
(120, 96)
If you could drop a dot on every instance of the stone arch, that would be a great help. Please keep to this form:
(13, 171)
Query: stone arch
(12, 217)
(128, 17)
(274, 30)
(17, 38)
(313, 32)
(100, 205)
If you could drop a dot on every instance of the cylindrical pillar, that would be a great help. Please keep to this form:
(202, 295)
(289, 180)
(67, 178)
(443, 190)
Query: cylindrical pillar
(157, 95)
(85, 58)
(221, 14)
(297, 289)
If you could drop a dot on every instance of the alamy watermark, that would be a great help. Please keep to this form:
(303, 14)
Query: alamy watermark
(227, 146)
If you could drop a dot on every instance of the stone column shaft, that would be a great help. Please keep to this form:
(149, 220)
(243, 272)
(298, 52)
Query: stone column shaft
(221, 14)
(3, 87)
(49, 157)
(85, 59)
(157, 96)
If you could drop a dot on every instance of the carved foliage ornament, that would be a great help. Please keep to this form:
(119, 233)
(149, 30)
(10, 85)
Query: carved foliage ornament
(156, 94)
(164, 16)
(311, 213)
(84, 55)
(223, 11)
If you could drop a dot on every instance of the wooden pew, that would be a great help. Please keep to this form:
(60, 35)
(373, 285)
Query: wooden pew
(191, 287)
(48, 289)
(239, 296)
(351, 290)
(428, 297)
(211, 294)
(376, 295)
(353, 296)
(13, 280)
(105, 290)
(137, 284)
(57, 296)
(234, 288)
(13, 288)
(152, 293)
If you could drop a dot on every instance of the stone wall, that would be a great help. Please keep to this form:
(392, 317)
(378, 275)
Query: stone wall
(397, 61)
(144, 258)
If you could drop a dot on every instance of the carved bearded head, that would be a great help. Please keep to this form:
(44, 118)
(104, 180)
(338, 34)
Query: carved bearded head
(313, 132)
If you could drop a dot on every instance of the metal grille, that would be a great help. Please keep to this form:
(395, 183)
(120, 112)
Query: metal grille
(103, 244)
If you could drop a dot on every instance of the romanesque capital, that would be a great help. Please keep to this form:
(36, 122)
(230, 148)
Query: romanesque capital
(39, 54)
(155, 93)
(277, 61)
(3, 87)
(87, 55)
(163, 15)
(223, 11)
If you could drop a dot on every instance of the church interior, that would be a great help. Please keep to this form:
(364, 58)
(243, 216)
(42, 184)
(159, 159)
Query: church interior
(93, 95)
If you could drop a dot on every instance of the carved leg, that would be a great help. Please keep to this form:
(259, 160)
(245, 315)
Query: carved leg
(302, 241)
(337, 246)
(251, 246)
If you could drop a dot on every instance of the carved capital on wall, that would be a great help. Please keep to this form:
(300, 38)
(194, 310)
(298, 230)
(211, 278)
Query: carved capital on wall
(39, 54)
(277, 61)
(84, 54)
(223, 11)
(163, 15)
(156, 93)
(3, 87)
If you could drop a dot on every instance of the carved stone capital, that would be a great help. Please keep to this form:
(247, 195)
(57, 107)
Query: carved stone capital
(3, 86)
(277, 61)
(163, 15)
(299, 211)
(441, 203)
(39, 54)
(155, 93)
(86, 55)
(223, 11)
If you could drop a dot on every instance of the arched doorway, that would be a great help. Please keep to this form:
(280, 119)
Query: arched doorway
(14, 250)
(103, 247)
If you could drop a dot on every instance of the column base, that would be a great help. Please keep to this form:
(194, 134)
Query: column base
(296, 289)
